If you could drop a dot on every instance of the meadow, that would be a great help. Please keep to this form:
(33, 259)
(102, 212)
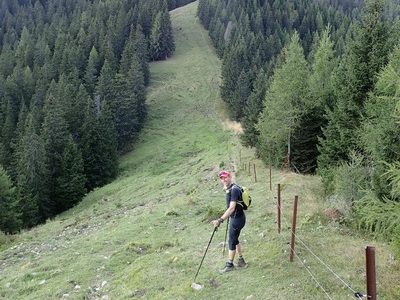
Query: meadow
(144, 235)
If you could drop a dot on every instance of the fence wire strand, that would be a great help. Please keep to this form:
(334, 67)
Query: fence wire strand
(324, 264)
(311, 274)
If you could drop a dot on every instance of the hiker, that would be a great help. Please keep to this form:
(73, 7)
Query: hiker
(237, 221)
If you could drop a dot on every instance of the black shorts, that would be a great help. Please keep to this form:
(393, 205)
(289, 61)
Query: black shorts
(235, 226)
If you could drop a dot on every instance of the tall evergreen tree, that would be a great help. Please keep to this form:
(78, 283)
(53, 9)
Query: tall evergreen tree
(252, 111)
(285, 104)
(305, 141)
(92, 71)
(354, 80)
(98, 145)
(70, 184)
(142, 50)
(9, 216)
(234, 63)
(161, 40)
(54, 135)
(380, 130)
(32, 178)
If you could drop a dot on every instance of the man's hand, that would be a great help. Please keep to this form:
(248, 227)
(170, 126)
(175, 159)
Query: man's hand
(216, 223)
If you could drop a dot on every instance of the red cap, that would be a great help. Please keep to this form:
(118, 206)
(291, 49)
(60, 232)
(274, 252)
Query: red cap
(224, 174)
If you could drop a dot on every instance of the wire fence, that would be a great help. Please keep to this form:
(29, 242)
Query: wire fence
(358, 295)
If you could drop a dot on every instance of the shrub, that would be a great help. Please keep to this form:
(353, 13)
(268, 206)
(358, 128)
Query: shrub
(348, 182)
(379, 217)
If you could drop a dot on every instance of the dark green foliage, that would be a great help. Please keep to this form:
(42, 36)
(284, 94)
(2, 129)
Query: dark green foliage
(55, 57)
(32, 183)
(379, 217)
(9, 216)
(70, 184)
(92, 71)
(285, 106)
(249, 36)
(354, 80)
(54, 135)
(98, 133)
(161, 40)
(380, 134)
(252, 111)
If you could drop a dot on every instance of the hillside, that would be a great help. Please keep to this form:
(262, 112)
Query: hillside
(143, 235)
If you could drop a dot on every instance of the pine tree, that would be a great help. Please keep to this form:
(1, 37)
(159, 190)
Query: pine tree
(252, 111)
(127, 55)
(161, 40)
(305, 140)
(136, 81)
(354, 79)
(285, 104)
(7, 134)
(108, 154)
(98, 145)
(92, 71)
(142, 50)
(380, 134)
(322, 67)
(70, 184)
(9, 216)
(77, 112)
(126, 114)
(104, 85)
(32, 178)
(54, 135)
(234, 63)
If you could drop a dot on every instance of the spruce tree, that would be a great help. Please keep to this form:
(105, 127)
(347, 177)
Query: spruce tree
(305, 141)
(126, 115)
(9, 216)
(88, 145)
(285, 104)
(161, 40)
(142, 50)
(252, 111)
(136, 84)
(98, 145)
(54, 135)
(380, 134)
(104, 84)
(70, 184)
(92, 71)
(354, 79)
(32, 178)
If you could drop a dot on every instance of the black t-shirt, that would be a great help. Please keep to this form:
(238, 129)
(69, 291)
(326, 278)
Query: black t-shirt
(233, 194)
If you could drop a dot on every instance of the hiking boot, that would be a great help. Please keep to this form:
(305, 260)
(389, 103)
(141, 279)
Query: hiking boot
(228, 267)
(242, 263)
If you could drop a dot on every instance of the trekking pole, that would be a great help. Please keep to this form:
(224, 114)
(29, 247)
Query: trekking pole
(226, 234)
(215, 229)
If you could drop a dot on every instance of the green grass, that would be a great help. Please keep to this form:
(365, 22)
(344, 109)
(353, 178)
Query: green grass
(143, 235)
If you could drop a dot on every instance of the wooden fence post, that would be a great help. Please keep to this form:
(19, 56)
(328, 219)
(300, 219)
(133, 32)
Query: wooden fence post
(293, 228)
(371, 274)
(279, 208)
(270, 177)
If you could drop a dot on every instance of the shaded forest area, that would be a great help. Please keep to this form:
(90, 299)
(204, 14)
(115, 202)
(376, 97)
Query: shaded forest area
(73, 77)
(315, 85)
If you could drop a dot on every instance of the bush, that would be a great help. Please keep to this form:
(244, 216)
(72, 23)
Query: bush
(379, 217)
(346, 184)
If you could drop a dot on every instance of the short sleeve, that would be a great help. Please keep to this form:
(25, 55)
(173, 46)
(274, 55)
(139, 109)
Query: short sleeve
(235, 194)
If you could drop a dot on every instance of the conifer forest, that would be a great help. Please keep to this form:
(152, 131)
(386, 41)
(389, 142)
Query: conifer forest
(314, 84)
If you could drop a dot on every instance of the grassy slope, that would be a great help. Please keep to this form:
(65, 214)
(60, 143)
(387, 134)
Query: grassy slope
(143, 235)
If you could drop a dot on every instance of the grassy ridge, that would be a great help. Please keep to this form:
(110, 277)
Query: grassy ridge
(143, 235)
